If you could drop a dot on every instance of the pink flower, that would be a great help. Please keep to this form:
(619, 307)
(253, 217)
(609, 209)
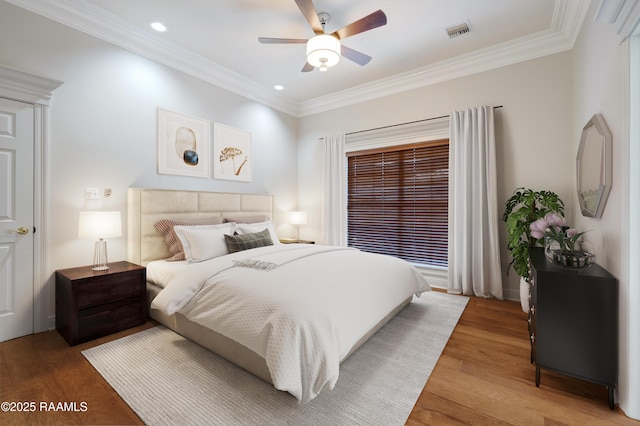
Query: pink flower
(551, 228)
(554, 219)
(539, 225)
(537, 234)
(538, 228)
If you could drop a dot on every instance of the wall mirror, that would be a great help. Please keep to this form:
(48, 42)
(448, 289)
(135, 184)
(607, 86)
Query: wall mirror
(593, 166)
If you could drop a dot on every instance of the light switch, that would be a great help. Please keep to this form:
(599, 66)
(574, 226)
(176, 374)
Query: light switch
(91, 193)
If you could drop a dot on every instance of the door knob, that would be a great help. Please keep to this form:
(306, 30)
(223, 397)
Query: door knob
(22, 230)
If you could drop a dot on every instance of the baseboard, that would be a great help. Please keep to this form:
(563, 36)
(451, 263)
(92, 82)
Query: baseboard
(511, 294)
(51, 322)
(438, 278)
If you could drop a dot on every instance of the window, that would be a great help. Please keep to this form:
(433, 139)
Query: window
(397, 201)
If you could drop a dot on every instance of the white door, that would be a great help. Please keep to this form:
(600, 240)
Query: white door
(16, 218)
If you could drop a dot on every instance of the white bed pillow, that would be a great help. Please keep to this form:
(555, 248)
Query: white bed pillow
(252, 228)
(204, 242)
(165, 227)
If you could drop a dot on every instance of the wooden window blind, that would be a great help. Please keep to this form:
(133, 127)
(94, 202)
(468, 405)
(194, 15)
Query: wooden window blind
(397, 201)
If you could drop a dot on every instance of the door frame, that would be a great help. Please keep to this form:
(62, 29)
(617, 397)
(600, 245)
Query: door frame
(32, 89)
(632, 201)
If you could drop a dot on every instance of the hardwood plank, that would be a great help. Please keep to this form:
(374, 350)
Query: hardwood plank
(483, 377)
(443, 411)
(42, 368)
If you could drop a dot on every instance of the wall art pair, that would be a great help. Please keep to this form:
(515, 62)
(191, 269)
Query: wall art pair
(184, 144)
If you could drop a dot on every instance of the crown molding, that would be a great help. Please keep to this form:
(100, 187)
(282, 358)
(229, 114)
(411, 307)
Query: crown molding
(567, 20)
(103, 25)
(546, 43)
(26, 87)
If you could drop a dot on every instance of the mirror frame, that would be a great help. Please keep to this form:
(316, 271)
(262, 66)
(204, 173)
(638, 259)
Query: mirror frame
(598, 123)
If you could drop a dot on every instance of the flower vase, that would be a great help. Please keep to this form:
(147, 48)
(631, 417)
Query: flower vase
(574, 259)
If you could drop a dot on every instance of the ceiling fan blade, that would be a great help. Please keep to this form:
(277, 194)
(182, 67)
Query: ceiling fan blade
(310, 14)
(270, 40)
(357, 57)
(307, 67)
(369, 22)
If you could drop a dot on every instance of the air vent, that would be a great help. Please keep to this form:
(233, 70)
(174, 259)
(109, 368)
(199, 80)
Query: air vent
(458, 30)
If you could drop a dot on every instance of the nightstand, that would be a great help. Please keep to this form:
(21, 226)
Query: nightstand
(91, 304)
(294, 241)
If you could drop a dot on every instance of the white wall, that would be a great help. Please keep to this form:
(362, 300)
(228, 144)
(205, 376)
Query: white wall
(103, 134)
(533, 131)
(601, 85)
(103, 127)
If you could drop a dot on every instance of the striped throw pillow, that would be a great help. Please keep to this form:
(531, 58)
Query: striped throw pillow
(165, 227)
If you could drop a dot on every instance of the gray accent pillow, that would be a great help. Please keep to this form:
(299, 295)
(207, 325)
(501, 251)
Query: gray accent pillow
(248, 241)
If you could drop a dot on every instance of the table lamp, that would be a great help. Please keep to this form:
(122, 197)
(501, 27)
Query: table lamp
(101, 225)
(297, 218)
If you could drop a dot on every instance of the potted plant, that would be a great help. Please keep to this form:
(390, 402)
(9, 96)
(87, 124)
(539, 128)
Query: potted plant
(523, 208)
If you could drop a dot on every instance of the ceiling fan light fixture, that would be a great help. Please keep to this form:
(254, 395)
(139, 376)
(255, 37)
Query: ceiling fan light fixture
(323, 51)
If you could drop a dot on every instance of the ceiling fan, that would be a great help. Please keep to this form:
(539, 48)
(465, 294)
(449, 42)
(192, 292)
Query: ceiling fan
(324, 50)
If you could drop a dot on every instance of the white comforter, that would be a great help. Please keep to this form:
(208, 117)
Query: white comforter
(301, 307)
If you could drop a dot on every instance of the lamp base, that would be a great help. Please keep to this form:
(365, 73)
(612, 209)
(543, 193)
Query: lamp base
(100, 261)
(100, 268)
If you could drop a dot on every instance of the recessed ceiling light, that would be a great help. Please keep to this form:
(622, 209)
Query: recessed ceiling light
(278, 87)
(158, 26)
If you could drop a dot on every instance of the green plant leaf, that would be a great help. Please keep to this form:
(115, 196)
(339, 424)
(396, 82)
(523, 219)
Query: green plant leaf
(524, 207)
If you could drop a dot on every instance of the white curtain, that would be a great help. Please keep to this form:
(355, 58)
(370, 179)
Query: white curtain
(474, 253)
(334, 207)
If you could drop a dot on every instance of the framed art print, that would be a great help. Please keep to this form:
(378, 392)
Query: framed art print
(231, 153)
(183, 144)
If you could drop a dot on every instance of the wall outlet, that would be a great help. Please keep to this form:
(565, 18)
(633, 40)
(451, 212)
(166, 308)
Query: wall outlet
(91, 193)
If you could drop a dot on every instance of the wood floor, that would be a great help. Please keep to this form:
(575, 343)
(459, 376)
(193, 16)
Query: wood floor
(482, 378)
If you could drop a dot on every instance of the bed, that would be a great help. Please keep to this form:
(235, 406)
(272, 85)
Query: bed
(288, 313)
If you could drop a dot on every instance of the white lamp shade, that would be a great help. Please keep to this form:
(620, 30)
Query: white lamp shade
(297, 218)
(99, 224)
(323, 50)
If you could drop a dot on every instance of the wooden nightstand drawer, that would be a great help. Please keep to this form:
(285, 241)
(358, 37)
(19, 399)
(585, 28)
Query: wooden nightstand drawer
(107, 289)
(107, 319)
(91, 304)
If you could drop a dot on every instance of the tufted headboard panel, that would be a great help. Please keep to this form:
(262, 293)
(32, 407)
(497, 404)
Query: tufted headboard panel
(147, 206)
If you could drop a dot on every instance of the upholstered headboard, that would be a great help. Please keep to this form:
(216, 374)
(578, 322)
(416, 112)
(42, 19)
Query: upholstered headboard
(147, 206)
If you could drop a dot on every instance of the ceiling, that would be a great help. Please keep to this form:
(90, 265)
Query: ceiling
(218, 41)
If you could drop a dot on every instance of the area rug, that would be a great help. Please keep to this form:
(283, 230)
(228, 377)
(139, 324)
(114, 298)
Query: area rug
(169, 380)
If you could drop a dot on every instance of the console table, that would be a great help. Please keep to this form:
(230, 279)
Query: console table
(573, 321)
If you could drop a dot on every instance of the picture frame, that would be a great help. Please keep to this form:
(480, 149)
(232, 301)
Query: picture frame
(232, 158)
(184, 144)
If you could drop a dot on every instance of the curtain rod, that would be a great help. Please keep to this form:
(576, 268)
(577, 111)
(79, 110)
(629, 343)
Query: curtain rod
(404, 124)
